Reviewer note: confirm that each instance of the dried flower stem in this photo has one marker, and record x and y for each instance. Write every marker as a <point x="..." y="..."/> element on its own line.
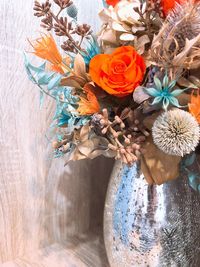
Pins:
<point x="126" y="142"/>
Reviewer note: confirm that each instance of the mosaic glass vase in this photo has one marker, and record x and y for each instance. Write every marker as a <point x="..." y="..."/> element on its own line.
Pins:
<point x="150" y="225"/>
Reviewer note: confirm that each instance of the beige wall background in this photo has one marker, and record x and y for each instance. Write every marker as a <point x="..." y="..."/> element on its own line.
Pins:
<point x="50" y="215"/>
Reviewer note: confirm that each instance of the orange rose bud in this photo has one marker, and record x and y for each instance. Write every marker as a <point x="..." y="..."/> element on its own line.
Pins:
<point x="118" y="73"/>
<point x="112" y="2"/>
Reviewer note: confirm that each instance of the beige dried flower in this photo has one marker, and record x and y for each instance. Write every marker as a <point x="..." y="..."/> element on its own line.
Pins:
<point x="176" y="132"/>
<point x="177" y="46"/>
<point x="121" y="25"/>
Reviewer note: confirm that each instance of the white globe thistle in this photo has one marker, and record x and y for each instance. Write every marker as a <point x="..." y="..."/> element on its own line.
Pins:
<point x="176" y="132"/>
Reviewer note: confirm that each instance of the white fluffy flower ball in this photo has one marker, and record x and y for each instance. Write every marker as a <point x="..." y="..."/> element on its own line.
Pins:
<point x="176" y="132"/>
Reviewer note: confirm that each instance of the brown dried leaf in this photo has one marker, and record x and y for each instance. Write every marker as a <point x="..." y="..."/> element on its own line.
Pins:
<point x="157" y="166"/>
<point x="84" y="133"/>
<point x="73" y="81"/>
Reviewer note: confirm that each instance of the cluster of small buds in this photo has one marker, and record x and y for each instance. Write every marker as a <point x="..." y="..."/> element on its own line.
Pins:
<point x="63" y="3"/>
<point x="41" y="9"/>
<point x="69" y="46"/>
<point x="62" y="26"/>
<point x="83" y="30"/>
<point x="126" y="145"/>
<point x="47" y="23"/>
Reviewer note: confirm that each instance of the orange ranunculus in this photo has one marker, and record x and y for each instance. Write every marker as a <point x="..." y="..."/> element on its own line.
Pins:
<point x="112" y="2"/>
<point x="88" y="105"/>
<point x="45" y="47"/>
<point x="194" y="106"/>
<point x="118" y="73"/>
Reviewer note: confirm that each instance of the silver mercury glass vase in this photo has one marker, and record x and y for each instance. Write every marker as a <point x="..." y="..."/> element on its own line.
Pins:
<point x="150" y="225"/>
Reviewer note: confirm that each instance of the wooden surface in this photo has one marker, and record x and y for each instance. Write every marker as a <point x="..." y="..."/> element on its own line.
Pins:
<point x="42" y="203"/>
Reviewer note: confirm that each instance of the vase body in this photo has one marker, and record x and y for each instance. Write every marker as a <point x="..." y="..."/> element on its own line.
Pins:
<point x="150" y="225"/>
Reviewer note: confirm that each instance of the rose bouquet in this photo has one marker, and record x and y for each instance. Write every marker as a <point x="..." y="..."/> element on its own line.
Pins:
<point x="130" y="92"/>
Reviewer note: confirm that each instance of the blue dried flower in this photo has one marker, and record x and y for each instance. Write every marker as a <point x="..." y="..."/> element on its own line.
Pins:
<point x="163" y="94"/>
<point x="92" y="50"/>
<point x="72" y="11"/>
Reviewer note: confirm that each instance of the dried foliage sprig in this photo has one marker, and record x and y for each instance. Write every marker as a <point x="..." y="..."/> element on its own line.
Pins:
<point x="110" y="90"/>
<point x="62" y="26"/>
<point x="125" y="141"/>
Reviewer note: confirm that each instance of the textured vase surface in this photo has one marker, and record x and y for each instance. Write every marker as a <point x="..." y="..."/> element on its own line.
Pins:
<point x="149" y="225"/>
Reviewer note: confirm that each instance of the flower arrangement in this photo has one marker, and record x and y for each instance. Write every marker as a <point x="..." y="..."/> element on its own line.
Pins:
<point x="130" y="92"/>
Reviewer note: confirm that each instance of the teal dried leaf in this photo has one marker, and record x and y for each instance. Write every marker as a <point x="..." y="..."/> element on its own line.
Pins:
<point x="92" y="49"/>
<point x="194" y="180"/>
<point x="190" y="160"/>
<point x="41" y="98"/>
<point x="54" y="82"/>
<point x="44" y="78"/>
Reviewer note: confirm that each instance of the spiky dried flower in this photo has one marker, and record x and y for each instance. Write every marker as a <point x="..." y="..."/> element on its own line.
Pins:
<point x="176" y="132"/>
<point x="177" y="46"/>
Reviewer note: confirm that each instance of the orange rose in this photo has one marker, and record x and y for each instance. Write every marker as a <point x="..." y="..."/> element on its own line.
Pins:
<point x="112" y="2"/>
<point x="118" y="73"/>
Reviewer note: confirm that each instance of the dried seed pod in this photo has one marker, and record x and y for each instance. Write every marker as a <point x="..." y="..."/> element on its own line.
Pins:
<point x="41" y="9"/>
<point x="83" y="30"/>
<point x="72" y="11"/>
<point x="63" y="3"/>
<point x="69" y="46"/>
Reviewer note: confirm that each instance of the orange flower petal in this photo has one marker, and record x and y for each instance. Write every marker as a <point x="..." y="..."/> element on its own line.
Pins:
<point x="118" y="73"/>
<point x="90" y="104"/>
<point x="194" y="106"/>
<point x="112" y="2"/>
<point x="46" y="48"/>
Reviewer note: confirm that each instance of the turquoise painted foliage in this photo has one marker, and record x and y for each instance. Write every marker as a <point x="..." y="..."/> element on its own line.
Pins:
<point x="193" y="176"/>
<point x="66" y="103"/>
<point x="164" y="94"/>
<point x="104" y="3"/>
<point x="92" y="49"/>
